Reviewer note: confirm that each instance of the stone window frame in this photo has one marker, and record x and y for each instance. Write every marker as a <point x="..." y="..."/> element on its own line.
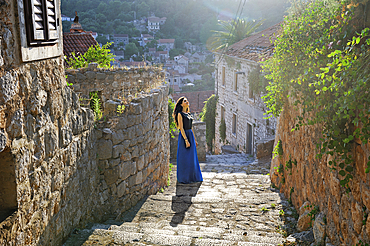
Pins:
<point x="44" y="49"/>
<point x="223" y="76"/>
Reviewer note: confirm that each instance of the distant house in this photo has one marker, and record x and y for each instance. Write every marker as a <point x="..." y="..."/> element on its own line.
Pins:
<point x="167" y="44"/>
<point x="120" y="38"/>
<point x="66" y="18"/>
<point x="77" y="40"/>
<point x="154" y="23"/>
<point x="180" y="69"/>
<point x="196" y="99"/>
<point x="134" y="64"/>
<point x="145" y="38"/>
<point x="160" y="56"/>
<point x="182" y="61"/>
<point x="119" y="54"/>
<point x="198" y="57"/>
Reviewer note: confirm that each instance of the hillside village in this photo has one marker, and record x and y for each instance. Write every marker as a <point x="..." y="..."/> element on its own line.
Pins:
<point x="89" y="150"/>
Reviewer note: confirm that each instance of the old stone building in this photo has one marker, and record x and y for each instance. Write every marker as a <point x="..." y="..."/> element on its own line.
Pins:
<point x="60" y="169"/>
<point x="242" y="110"/>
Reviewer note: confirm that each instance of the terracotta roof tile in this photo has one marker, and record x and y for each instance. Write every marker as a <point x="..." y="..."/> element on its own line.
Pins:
<point x="77" y="42"/>
<point x="162" y="41"/>
<point x="196" y="99"/>
<point x="256" y="47"/>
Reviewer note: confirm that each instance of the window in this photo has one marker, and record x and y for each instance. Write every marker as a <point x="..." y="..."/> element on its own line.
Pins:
<point x="250" y="92"/>
<point x="223" y="76"/>
<point x="249" y="139"/>
<point x="234" y="124"/>
<point x="222" y="113"/>
<point x="41" y="21"/>
<point x="40" y="29"/>
<point x="235" y="81"/>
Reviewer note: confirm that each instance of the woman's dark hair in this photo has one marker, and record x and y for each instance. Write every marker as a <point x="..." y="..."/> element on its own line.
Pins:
<point x="178" y="109"/>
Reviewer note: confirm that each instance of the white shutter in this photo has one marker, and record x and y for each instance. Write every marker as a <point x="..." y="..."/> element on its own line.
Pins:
<point x="52" y="19"/>
<point x="38" y="20"/>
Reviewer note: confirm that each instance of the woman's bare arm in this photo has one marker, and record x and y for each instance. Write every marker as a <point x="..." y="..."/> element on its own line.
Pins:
<point x="179" y="120"/>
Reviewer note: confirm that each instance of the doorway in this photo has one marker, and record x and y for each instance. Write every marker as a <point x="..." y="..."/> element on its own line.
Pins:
<point x="249" y="139"/>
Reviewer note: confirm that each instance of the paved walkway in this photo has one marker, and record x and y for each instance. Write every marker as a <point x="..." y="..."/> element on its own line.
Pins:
<point x="234" y="205"/>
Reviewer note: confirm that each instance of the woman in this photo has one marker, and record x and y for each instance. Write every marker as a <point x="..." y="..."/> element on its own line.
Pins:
<point x="188" y="169"/>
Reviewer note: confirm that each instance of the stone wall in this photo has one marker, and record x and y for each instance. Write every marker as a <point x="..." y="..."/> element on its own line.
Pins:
<point x="346" y="214"/>
<point x="199" y="129"/>
<point x="133" y="150"/>
<point x="114" y="84"/>
<point x="51" y="180"/>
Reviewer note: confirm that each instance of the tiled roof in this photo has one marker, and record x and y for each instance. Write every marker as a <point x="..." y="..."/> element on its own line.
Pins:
<point x="120" y="35"/>
<point x="77" y="42"/>
<point x="162" y="41"/>
<point x="133" y="64"/>
<point x="196" y="99"/>
<point x="256" y="47"/>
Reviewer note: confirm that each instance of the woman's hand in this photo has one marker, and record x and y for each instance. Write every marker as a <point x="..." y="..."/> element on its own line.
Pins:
<point x="196" y="143"/>
<point x="187" y="144"/>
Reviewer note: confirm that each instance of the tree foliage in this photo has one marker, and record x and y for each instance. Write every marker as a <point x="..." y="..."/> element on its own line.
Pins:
<point x="208" y="116"/>
<point x="232" y="32"/>
<point x="95" y="53"/>
<point x="321" y="62"/>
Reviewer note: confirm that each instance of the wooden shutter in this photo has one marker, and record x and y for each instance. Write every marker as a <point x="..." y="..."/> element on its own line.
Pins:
<point x="42" y="21"/>
<point x="38" y="19"/>
<point x="52" y="19"/>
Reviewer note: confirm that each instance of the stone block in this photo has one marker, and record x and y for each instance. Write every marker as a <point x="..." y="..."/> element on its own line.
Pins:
<point x="140" y="163"/>
<point x="121" y="189"/>
<point x="118" y="150"/>
<point x="117" y="137"/>
<point x="3" y="140"/>
<point x="127" y="169"/>
<point x="104" y="149"/>
<point x="139" y="178"/>
<point x="9" y="87"/>
<point x="80" y="77"/>
<point x="90" y="75"/>
<point x="100" y="76"/>
<point x="111" y="175"/>
<point x="126" y="156"/>
<point x="303" y="221"/>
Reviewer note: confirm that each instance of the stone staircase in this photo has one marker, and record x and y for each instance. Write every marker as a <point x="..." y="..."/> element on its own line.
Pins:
<point x="232" y="206"/>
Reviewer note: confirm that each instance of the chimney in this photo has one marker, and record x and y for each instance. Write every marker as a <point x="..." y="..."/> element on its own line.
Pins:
<point x="76" y="26"/>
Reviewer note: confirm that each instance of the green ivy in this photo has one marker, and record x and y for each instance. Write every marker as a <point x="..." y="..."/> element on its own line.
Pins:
<point x="257" y="82"/>
<point x="208" y="116"/>
<point x="321" y="63"/>
<point x="171" y="121"/>
<point x="95" y="105"/>
<point x="222" y="130"/>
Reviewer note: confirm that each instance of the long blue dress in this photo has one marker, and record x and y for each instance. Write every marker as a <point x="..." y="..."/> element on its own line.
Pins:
<point x="188" y="169"/>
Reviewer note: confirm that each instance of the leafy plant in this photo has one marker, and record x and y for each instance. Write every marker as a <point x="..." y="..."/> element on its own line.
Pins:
<point x="263" y="209"/>
<point x="222" y="130"/>
<point x="257" y="81"/>
<point x="273" y="205"/>
<point x="171" y="121"/>
<point x="281" y="213"/>
<point x="95" y="105"/>
<point x="278" y="149"/>
<point x="120" y="109"/>
<point x="169" y="174"/>
<point x="312" y="214"/>
<point x="208" y="116"/>
<point x="95" y="53"/>
<point x="321" y="64"/>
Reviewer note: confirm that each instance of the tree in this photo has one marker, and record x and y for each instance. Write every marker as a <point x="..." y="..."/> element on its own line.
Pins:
<point x="95" y="53"/>
<point x="231" y="33"/>
<point x="102" y="39"/>
<point x="174" y="52"/>
<point x="131" y="49"/>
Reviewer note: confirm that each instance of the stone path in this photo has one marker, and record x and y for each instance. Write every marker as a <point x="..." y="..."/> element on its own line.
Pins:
<point x="234" y="205"/>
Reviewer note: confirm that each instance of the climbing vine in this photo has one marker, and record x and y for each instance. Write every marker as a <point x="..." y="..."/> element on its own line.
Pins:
<point x="321" y="64"/>
<point x="208" y="116"/>
<point x="257" y="82"/>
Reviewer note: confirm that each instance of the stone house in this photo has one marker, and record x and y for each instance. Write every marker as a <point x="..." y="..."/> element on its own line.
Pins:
<point x="77" y="40"/>
<point x="198" y="57"/>
<point x="182" y="61"/>
<point x="167" y="44"/>
<point x="120" y="38"/>
<point x="154" y="23"/>
<point x="242" y="110"/>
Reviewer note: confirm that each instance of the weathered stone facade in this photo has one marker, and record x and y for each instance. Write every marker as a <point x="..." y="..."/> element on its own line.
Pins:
<point x="346" y="214"/>
<point x="199" y="129"/>
<point x="236" y="103"/>
<point x="52" y="180"/>
<point x="117" y="84"/>
<point x="133" y="151"/>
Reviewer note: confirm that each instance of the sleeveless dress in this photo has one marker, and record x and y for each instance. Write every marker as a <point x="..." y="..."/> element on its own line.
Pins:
<point x="188" y="169"/>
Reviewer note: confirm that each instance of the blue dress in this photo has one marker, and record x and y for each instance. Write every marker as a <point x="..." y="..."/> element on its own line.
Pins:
<point x="188" y="169"/>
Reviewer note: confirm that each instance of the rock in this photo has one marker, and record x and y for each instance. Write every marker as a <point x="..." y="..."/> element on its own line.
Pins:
<point x="2" y="141"/>
<point x="121" y="189"/>
<point x="228" y="149"/>
<point x="111" y="175"/>
<point x="305" y="236"/>
<point x="303" y="221"/>
<point x="104" y="149"/>
<point x="319" y="228"/>
<point x="304" y="207"/>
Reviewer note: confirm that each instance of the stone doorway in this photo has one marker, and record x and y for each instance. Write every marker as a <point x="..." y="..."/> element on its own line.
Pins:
<point x="8" y="191"/>
<point x="249" y="139"/>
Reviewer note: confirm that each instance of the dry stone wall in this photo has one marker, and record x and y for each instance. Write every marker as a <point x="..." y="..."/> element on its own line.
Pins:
<point x="342" y="217"/>
<point x="133" y="150"/>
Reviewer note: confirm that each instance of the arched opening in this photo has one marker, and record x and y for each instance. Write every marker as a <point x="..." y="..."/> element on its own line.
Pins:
<point x="8" y="191"/>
